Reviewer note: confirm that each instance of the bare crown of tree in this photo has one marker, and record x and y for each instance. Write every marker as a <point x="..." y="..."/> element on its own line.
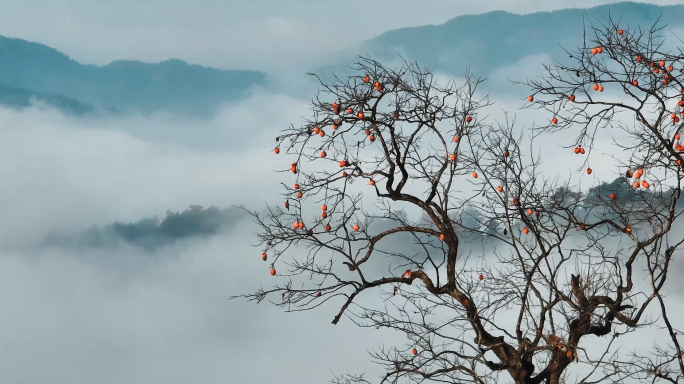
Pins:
<point x="549" y="284"/>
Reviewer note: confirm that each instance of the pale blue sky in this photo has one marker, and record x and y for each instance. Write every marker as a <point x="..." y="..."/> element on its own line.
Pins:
<point x="254" y="34"/>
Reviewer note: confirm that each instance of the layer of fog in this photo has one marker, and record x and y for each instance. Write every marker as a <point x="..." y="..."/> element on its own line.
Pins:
<point x="165" y="319"/>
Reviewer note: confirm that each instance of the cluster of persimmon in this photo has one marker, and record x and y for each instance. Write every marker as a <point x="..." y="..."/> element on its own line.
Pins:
<point x="594" y="51"/>
<point x="637" y="175"/>
<point x="658" y="67"/>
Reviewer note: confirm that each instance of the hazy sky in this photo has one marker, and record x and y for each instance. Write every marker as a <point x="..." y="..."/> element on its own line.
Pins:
<point x="244" y="34"/>
<point x="124" y="316"/>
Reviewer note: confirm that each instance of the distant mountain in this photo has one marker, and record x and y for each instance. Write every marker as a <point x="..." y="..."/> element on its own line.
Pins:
<point x="495" y="39"/>
<point x="484" y="42"/>
<point x="151" y="233"/>
<point x="124" y="85"/>
<point x="21" y="98"/>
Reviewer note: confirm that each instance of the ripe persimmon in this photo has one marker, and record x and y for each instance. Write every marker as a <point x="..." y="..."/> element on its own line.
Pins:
<point x="612" y="196"/>
<point x="343" y="163"/>
<point x="273" y="272"/>
<point x="324" y="215"/>
<point x="296" y="186"/>
<point x="620" y="32"/>
<point x="360" y="115"/>
<point x="453" y="157"/>
<point x="327" y="227"/>
<point x="277" y="150"/>
<point x="530" y="98"/>
<point x="506" y="153"/>
<point x="366" y="79"/>
<point x="635" y="83"/>
<point x="596" y="87"/>
<point x="599" y="49"/>
<point x="264" y="256"/>
<point x="500" y="189"/>
<point x="371" y="138"/>
<point x="323" y="154"/>
<point x="317" y="130"/>
<point x="572" y="97"/>
<point x="588" y="171"/>
<point x="356" y="227"/>
<point x="441" y="236"/>
<point x="475" y="175"/>
<point x="336" y="108"/>
<point x="324" y="207"/>
<point x="372" y="182"/>
<point x="287" y="205"/>
<point x="554" y="120"/>
<point x="481" y="277"/>
<point x="594" y="51"/>
<point x="600" y="89"/>
<point x="455" y="139"/>
<point x="577" y="150"/>
<point x="469" y="119"/>
<point x="526" y="230"/>
<point x="582" y="150"/>
<point x="415" y="351"/>
<point x="300" y="195"/>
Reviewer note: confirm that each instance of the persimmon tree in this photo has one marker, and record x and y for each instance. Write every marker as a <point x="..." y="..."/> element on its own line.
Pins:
<point x="547" y="285"/>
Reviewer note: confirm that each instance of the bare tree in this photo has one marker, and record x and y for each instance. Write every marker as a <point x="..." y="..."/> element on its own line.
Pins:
<point x="509" y="313"/>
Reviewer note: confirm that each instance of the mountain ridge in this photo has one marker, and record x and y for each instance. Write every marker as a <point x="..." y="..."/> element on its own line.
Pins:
<point x="130" y="85"/>
<point x="492" y="40"/>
